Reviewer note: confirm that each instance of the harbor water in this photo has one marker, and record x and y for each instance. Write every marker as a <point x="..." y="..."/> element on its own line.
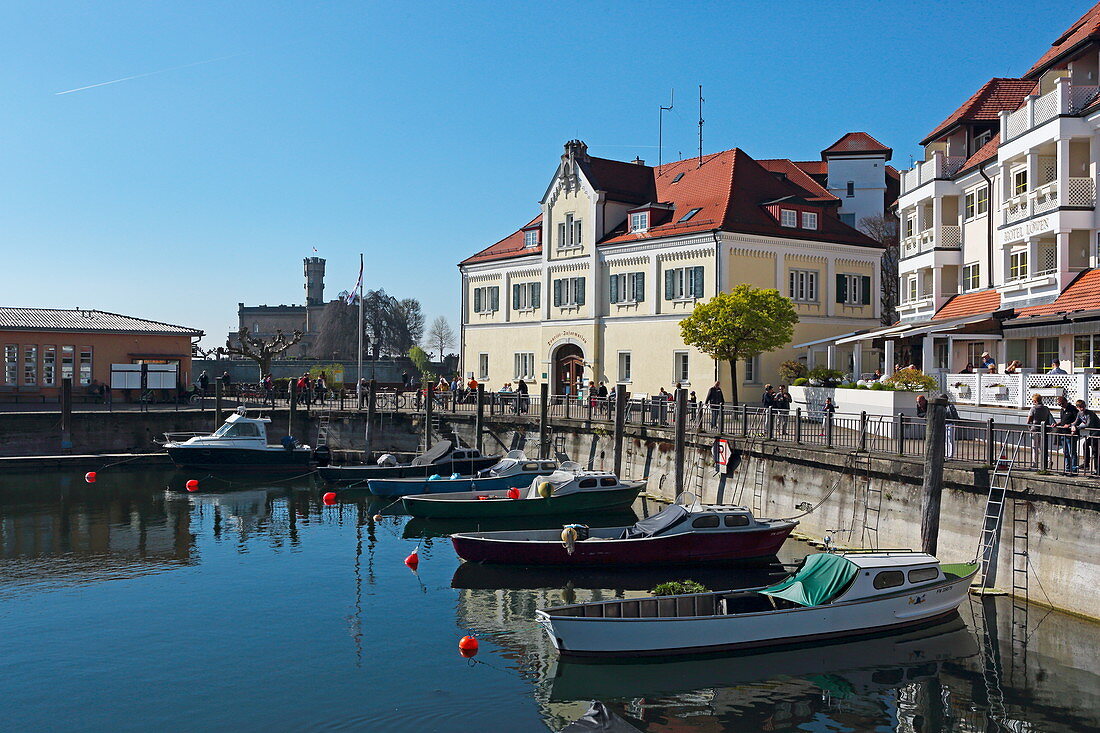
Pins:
<point x="131" y="604"/>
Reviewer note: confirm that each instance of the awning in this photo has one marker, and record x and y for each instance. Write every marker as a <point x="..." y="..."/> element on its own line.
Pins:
<point x="870" y="335"/>
<point x="1081" y="322"/>
<point x="921" y="329"/>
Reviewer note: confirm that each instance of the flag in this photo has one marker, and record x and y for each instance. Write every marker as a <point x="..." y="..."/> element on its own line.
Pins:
<point x="314" y="249"/>
<point x="353" y="295"/>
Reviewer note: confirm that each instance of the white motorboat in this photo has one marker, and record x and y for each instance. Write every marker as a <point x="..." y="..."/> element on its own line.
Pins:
<point x="831" y="595"/>
<point x="239" y="444"/>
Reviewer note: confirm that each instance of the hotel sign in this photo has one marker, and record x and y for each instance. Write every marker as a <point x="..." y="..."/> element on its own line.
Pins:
<point x="1028" y="229"/>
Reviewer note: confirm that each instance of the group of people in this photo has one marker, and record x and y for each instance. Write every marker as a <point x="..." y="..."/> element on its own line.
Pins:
<point x="989" y="364"/>
<point x="1074" y="427"/>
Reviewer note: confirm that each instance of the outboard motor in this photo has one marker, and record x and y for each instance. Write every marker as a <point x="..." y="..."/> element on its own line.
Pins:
<point x="322" y="455"/>
<point x="387" y="459"/>
<point x="289" y="442"/>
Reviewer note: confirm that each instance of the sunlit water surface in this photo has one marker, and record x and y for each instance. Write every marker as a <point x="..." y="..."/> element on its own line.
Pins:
<point x="124" y="606"/>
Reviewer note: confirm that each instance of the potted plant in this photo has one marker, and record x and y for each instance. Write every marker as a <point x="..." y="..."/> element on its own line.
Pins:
<point x="911" y="380"/>
<point x="825" y="377"/>
<point x="962" y="388"/>
<point x="996" y="390"/>
<point x="1049" y="390"/>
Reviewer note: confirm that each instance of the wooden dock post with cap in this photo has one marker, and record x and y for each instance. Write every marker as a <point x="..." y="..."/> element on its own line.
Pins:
<point x="66" y="414"/>
<point x="544" y="413"/>
<point x="372" y="408"/>
<point x="428" y="398"/>
<point x="218" y="391"/>
<point x="680" y="429"/>
<point x="620" y="419"/>
<point x="932" y="480"/>
<point x="479" y="418"/>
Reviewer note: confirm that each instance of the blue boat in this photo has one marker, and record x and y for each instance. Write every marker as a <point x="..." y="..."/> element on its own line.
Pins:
<point x="513" y="471"/>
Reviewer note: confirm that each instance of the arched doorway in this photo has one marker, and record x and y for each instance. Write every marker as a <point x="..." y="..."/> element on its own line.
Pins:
<point x="568" y="367"/>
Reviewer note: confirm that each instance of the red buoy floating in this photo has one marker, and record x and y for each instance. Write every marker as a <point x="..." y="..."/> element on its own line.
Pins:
<point x="90" y="477"/>
<point x="329" y="498"/>
<point x="513" y="493"/>
<point x="378" y="517"/>
<point x="192" y="484"/>
<point x="467" y="646"/>
<point x="413" y="560"/>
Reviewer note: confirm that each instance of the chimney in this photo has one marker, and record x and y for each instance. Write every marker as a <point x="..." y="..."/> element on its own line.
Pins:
<point x="637" y="161"/>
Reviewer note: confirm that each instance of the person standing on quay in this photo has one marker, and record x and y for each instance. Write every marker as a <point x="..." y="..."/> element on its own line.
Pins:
<point x="204" y="382"/>
<point x="1036" y="418"/>
<point x="1087" y="426"/>
<point x="715" y="400"/>
<point x="1064" y="428"/>
<point x="521" y="396"/>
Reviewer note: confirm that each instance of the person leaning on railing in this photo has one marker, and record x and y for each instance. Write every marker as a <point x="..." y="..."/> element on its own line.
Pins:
<point x="1087" y="425"/>
<point x="1037" y="418"/>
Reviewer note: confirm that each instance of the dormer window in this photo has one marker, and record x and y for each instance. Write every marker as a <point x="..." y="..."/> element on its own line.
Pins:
<point x="982" y="138"/>
<point x="809" y="220"/>
<point x="639" y="221"/>
<point x="688" y="215"/>
<point x="788" y="218"/>
<point x="531" y="238"/>
<point x="678" y="177"/>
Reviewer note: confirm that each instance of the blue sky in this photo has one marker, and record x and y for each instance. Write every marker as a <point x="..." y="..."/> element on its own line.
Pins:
<point x="416" y="133"/>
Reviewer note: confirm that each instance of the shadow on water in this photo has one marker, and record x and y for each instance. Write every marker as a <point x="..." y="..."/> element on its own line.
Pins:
<point x="476" y="576"/>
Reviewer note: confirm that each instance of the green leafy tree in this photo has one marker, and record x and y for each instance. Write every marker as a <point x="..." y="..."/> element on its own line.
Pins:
<point x="419" y="358"/>
<point x="739" y="325"/>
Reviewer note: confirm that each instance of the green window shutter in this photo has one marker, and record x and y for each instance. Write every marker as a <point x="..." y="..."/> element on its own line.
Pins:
<point x="580" y="290"/>
<point x="515" y="297"/>
<point x="494" y="298"/>
<point x="697" y="286"/>
<point x="536" y="295"/>
<point x="866" y="289"/>
<point x="841" y="289"/>
<point x="639" y="286"/>
<point x="477" y="300"/>
<point x="613" y="289"/>
<point x="557" y="293"/>
<point x="670" y="281"/>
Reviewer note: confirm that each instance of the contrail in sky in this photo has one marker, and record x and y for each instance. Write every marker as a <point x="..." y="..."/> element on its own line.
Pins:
<point x="148" y="73"/>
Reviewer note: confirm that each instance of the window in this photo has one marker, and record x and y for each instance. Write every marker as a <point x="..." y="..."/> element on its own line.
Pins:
<point x="850" y="189"/>
<point x="608" y="481"/>
<point x="639" y="221"/>
<point x="487" y="299"/>
<point x="752" y="370"/>
<point x="68" y="359"/>
<point x="531" y="238"/>
<point x="849" y="219"/>
<point x="569" y="292"/>
<point x="49" y="366"/>
<point x="526" y="296"/>
<point x="809" y="220"/>
<point x="737" y="520"/>
<point x="1046" y="351"/>
<point x="624" y="366"/>
<point x="976" y="203"/>
<point x="802" y="285"/>
<point x="923" y="575"/>
<point x="971" y="276"/>
<point x="680" y="367"/>
<point x="482" y="366"/>
<point x="587" y="483"/>
<point x="1017" y="265"/>
<point x="30" y="365"/>
<point x="910" y="226"/>
<point x="524" y="365"/>
<point x="684" y="283"/>
<point x="628" y="287"/>
<point x="889" y="579"/>
<point x="853" y="289"/>
<point x="569" y="232"/>
<point x="707" y="521"/>
<point x="788" y="217"/>
<point x="1019" y="182"/>
<point x="11" y="364"/>
<point x="981" y="139"/>
<point x="688" y="215"/>
<point x="912" y="289"/>
<point x="1086" y="351"/>
<point x="678" y="177"/>
<point x="85" y="365"/>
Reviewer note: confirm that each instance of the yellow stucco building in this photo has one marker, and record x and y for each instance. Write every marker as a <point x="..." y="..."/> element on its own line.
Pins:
<point x="593" y="288"/>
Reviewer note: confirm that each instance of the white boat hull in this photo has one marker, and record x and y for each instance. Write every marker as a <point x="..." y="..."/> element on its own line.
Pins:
<point x="593" y="636"/>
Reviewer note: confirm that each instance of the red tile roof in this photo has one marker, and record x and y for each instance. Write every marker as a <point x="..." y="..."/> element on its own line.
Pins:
<point x="1086" y="28"/>
<point x="983" y="154"/>
<point x="813" y="167"/>
<point x="1081" y="294"/>
<point x="510" y="246"/>
<point x="856" y="142"/>
<point x="969" y="304"/>
<point x="798" y="175"/>
<point x="986" y="104"/>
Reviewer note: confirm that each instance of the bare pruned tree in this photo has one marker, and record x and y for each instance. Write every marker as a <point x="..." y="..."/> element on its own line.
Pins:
<point x="440" y="337"/>
<point x="883" y="228"/>
<point x="260" y="350"/>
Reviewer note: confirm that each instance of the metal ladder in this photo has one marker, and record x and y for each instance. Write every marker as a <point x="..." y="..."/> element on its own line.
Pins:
<point x="758" y="485"/>
<point x="628" y="459"/>
<point x="1020" y="562"/>
<point x="322" y="429"/>
<point x="742" y="481"/>
<point x="994" y="506"/>
<point x="872" y="501"/>
<point x="436" y="429"/>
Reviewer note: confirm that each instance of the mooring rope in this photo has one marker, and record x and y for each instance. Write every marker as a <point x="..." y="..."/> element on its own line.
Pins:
<point x="828" y="494"/>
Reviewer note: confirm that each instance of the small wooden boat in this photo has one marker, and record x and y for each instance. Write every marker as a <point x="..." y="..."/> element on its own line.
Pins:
<point x="514" y="470"/>
<point x="443" y="458"/>
<point x="694" y="533"/>
<point x="832" y="595"/>
<point x="240" y="444"/>
<point x="561" y="492"/>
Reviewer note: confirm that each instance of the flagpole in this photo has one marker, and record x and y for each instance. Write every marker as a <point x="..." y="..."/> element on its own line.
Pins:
<point x="359" y="377"/>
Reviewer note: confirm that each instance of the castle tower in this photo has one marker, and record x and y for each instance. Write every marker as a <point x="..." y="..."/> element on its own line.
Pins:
<point x="315" y="280"/>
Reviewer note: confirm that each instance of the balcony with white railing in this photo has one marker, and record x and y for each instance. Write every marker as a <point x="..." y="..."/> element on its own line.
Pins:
<point x="1079" y="193"/>
<point x="945" y="237"/>
<point x="1064" y="99"/>
<point x="939" y="166"/>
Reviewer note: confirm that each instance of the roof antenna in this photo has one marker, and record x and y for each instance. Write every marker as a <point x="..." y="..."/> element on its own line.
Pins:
<point x="661" y="129"/>
<point x="701" y="100"/>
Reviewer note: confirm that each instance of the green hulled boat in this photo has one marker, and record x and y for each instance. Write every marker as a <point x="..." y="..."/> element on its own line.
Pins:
<point x="558" y="493"/>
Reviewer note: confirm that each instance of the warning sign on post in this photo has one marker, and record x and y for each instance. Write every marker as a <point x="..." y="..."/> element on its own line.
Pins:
<point x="722" y="452"/>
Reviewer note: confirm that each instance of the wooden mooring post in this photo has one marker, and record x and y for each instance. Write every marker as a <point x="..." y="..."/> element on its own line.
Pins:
<point x="620" y="419"/>
<point x="219" y="387"/>
<point x="679" y="441"/>
<point x="544" y="427"/>
<point x="429" y="398"/>
<point x="479" y="419"/>
<point x="66" y="414"/>
<point x="932" y="480"/>
<point x="372" y="408"/>
<point x="290" y="413"/>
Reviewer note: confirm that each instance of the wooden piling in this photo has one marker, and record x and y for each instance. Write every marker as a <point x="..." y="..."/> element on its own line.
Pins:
<point x="680" y="431"/>
<point x="932" y="480"/>
<point x="620" y="419"/>
<point x="372" y="408"/>
<point x="218" y="390"/>
<point x="66" y="414"/>
<point x="544" y="427"/>
<point x="428" y="399"/>
<point x="293" y="409"/>
<point x="479" y="418"/>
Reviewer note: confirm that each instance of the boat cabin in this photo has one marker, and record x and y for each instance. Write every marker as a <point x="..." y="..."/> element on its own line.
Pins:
<point x="570" y="482"/>
<point x="516" y="463"/>
<point x="238" y="430"/>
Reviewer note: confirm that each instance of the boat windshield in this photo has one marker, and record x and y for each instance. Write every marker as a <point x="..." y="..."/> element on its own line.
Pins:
<point x="663" y="521"/>
<point x="820" y="579"/>
<point x="238" y="430"/>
